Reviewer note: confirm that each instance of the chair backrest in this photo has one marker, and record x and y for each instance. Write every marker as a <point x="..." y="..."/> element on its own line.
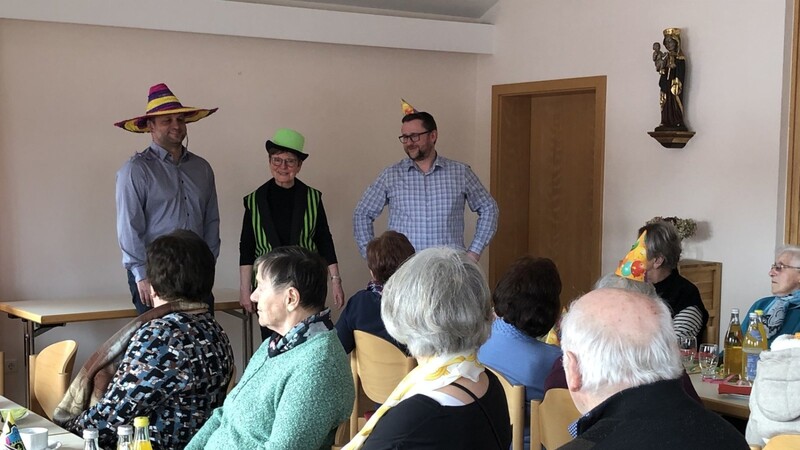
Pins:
<point x="553" y="415"/>
<point x="783" y="442"/>
<point x="378" y="367"/>
<point x="515" y="395"/>
<point x="51" y="370"/>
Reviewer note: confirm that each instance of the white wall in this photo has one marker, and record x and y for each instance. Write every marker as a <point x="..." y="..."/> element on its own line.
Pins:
<point x="727" y="176"/>
<point x="63" y="86"/>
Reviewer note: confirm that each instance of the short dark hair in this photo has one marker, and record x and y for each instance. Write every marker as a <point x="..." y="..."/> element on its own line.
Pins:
<point x="527" y="296"/>
<point x="427" y="120"/>
<point x="180" y="266"/>
<point x="386" y="253"/>
<point x="662" y="240"/>
<point x="299" y="268"/>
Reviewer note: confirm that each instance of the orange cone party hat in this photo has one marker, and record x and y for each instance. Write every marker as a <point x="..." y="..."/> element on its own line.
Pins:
<point x="407" y="109"/>
<point x="633" y="265"/>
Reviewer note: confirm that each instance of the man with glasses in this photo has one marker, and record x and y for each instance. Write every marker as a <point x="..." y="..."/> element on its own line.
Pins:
<point x="163" y="188"/>
<point x="426" y="193"/>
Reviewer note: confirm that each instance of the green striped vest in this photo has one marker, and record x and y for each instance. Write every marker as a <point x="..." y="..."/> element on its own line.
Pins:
<point x="306" y="232"/>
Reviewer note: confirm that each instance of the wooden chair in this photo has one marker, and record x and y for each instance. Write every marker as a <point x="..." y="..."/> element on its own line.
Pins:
<point x="515" y="395"/>
<point x="2" y="373"/>
<point x="378" y="366"/>
<point x="51" y="370"/>
<point x="342" y="436"/>
<point x="550" y="418"/>
<point x="783" y="442"/>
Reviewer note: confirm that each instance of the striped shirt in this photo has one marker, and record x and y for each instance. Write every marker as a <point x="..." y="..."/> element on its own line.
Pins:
<point x="427" y="207"/>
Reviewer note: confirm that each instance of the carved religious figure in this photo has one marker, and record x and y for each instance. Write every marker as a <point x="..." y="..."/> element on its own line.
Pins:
<point x="671" y="65"/>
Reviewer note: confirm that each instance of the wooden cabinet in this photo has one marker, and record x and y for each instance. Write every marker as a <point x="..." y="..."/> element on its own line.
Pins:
<point x="707" y="276"/>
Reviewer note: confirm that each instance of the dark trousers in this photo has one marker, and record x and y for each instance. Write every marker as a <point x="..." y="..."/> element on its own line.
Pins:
<point x="142" y="308"/>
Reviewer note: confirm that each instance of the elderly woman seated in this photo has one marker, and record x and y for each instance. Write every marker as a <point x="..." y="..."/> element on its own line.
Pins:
<point x="298" y="387"/>
<point x="526" y="303"/>
<point x="437" y="304"/>
<point x="689" y="315"/>
<point x="176" y="360"/>
<point x="385" y="253"/>
<point x="782" y="308"/>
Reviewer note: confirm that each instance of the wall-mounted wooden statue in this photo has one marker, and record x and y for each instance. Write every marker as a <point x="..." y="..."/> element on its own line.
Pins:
<point x="671" y="67"/>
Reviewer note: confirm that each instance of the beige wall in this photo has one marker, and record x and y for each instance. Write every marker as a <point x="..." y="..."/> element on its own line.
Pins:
<point x="727" y="176"/>
<point x="62" y="87"/>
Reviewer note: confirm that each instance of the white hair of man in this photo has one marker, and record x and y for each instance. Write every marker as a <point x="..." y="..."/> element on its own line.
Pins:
<point x="792" y="250"/>
<point x="438" y="303"/>
<point x="612" y="280"/>
<point x="621" y="339"/>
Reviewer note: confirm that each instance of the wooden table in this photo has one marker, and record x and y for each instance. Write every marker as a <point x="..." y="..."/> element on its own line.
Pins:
<point x="730" y="405"/>
<point x="68" y="440"/>
<point x="40" y="316"/>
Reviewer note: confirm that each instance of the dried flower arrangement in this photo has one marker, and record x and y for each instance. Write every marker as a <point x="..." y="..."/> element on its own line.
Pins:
<point x="686" y="227"/>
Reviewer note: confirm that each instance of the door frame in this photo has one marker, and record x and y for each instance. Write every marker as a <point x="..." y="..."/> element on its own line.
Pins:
<point x="594" y="84"/>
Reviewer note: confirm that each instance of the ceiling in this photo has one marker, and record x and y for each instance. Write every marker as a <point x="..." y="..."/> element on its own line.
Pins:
<point x="456" y="10"/>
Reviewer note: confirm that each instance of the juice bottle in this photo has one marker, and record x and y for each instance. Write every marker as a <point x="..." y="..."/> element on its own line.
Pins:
<point x="141" y="433"/>
<point x="733" y="346"/>
<point x="762" y="329"/>
<point x="751" y="349"/>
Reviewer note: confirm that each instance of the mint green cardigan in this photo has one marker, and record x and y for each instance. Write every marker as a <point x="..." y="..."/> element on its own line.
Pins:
<point x="292" y="401"/>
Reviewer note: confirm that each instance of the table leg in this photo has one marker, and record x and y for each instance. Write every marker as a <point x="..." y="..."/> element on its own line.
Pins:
<point x="248" y="339"/>
<point x="247" y="335"/>
<point x="28" y="350"/>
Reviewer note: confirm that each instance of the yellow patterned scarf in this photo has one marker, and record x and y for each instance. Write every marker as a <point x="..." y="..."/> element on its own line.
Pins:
<point x="436" y="373"/>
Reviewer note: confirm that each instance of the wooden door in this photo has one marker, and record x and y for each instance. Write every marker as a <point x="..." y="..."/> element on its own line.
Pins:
<point x="547" y="177"/>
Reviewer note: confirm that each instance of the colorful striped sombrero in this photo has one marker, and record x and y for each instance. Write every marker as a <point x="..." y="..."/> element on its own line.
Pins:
<point x="162" y="101"/>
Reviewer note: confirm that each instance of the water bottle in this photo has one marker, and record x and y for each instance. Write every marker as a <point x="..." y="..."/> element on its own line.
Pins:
<point x="751" y="349"/>
<point x="90" y="439"/>
<point x="141" y="433"/>
<point x="124" y="437"/>
<point x="733" y="346"/>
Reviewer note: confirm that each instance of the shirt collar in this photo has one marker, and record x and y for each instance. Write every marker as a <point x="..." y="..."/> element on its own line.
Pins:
<point x="164" y="155"/>
<point x="440" y="161"/>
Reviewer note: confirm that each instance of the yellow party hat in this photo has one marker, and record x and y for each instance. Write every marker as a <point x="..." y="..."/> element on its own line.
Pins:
<point x="633" y="266"/>
<point x="407" y="108"/>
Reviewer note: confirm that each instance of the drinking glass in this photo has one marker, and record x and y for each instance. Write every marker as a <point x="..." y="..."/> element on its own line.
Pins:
<point x="708" y="357"/>
<point x="688" y="347"/>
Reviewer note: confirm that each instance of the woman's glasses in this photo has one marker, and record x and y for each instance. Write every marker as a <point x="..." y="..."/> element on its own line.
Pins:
<point x="781" y="266"/>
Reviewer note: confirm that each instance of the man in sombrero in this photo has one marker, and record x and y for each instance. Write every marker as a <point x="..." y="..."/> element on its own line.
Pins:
<point x="163" y="188"/>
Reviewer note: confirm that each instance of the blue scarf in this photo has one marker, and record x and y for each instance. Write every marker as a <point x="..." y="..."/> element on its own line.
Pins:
<point x="776" y="313"/>
<point x="315" y="324"/>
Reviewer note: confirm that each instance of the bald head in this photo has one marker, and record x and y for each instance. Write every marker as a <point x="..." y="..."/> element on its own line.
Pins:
<point x="615" y="339"/>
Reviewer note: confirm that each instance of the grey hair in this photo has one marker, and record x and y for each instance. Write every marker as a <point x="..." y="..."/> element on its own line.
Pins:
<point x="663" y="240"/>
<point x="438" y="303"/>
<point x="793" y="250"/>
<point x="611" y="358"/>
<point x="612" y="280"/>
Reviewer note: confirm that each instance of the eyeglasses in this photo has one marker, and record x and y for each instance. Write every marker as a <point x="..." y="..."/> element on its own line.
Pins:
<point x="779" y="267"/>
<point x="277" y="162"/>
<point x="411" y="137"/>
